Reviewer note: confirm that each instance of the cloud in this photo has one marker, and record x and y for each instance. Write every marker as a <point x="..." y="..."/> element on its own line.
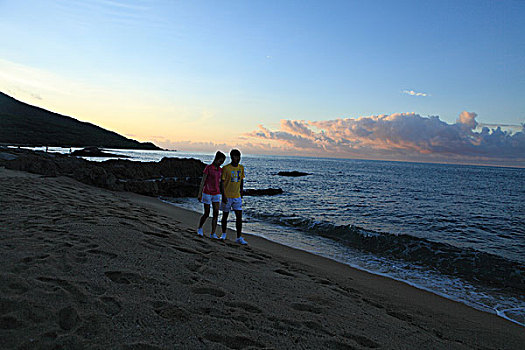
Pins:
<point x="414" y="93"/>
<point x="467" y="120"/>
<point x="402" y="136"/>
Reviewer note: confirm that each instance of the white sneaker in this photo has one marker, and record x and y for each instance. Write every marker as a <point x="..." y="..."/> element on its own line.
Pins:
<point x="199" y="232"/>
<point x="223" y="237"/>
<point x="214" y="236"/>
<point x="241" y="240"/>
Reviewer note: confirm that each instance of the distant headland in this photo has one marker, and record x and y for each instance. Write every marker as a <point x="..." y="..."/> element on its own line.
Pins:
<point x="22" y="124"/>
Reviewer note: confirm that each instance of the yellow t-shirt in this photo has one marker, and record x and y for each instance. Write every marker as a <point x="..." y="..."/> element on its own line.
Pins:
<point x="231" y="178"/>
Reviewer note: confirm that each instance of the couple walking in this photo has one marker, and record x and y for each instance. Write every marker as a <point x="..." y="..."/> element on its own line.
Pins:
<point x="222" y="188"/>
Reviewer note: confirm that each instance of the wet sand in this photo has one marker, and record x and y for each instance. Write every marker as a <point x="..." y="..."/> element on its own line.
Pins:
<point x="83" y="267"/>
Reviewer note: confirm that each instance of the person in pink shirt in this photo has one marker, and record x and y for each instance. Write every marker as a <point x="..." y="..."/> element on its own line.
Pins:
<point x="210" y="192"/>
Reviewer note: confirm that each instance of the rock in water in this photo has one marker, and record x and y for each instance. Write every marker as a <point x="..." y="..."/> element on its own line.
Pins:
<point x="95" y="152"/>
<point x="292" y="173"/>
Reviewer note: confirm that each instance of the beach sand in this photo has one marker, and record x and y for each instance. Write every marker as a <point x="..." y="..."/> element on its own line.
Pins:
<point x="83" y="267"/>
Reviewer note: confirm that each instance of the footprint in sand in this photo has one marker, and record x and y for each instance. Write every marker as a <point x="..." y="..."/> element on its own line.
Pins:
<point x="69" y="287"/>
<point x="259" y="256"/>
<point x="256" y="259"/>
<point x="185" y="250"/>
<point x="102" y="253"/>
<point x="171" y="311"/>
<point x="346" y="291"/>
<point x="204" y="251"/>
<point x="236" y="259"/>
<point x="319" y="299"/>
<point x="123" y="277"/>
<point x="216" y="292"/>
<point x="126" y="223"/>
<point x="363" y="341"/>
<point x="190" y="280"/>
<point x="18" y="287"/>
<point x="37" y="259"/>
<point x="93" y="288"/>
<point x="373" y="303"/>
<point x="244" y="306"/>
<point x="233" y="342"/>
<point x="150" y="243"/>
<point x="306" y="307"/>
<point x="400" y="316"/>
<point x="111" y="305"/>
<point x="284" y="324"/>
<point x="284" y="273"/>
<point x="156" y="234"/>
<point x="68" y="318"/>
<point x="194" y="266"/>
<point x="316" y="326"/>
<point x="258" y="262"/>
<point x="323" y="281"/>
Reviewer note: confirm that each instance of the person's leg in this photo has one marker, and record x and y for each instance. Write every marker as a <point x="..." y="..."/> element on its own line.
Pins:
<point x="215" y="216"/>
<point x="224" y="221"/>
<point x="205" y="215"/>
<point x="238" y="222"/>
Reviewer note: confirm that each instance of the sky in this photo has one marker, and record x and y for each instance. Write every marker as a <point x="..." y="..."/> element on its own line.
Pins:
<point x="429" y="81"/>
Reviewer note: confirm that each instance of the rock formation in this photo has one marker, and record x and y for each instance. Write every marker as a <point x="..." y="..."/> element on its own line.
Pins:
<point x="292" y="173"/>
<point x="170" y="177"/>
<point x="95" y="152"/>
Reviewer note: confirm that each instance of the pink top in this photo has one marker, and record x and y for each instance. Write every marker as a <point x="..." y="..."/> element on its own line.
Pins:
<point x="211" y="186"/>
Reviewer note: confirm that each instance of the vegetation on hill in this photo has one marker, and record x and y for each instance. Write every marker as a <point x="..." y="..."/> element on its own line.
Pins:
<point x="26" y="125"/>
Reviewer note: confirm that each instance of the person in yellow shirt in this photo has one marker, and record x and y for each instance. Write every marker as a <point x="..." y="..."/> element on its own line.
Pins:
<point x="232" y="184"/>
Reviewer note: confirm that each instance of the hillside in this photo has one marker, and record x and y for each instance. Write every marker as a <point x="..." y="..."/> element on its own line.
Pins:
<point x="23" y="124"/>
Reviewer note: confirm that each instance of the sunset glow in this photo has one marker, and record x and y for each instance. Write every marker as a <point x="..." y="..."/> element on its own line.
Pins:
<point x="424" y="82"/>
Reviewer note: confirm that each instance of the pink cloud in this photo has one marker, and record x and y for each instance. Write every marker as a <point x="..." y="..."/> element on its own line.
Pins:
<point x="407" y="136"/>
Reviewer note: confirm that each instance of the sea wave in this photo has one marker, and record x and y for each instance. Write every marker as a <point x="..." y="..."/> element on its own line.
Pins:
<point x="467" y="263"/>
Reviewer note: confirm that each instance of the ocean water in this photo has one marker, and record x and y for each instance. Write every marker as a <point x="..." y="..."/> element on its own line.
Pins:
<point x="455" y="230"/>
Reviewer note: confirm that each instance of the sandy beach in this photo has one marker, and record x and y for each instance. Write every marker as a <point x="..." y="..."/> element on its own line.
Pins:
<point x="87" y="268"/>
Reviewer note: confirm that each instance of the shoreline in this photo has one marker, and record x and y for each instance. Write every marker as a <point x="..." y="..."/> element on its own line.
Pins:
<point x="472" y="303"/>
<point x="291" y="252"/>
<point x="268" y="244"/>
<point x="88" y="267"/>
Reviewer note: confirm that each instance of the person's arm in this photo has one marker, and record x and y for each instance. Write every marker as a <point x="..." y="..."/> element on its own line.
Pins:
<point x="203" y="181"/>
<point x="242" y="187"/>
<point x="223" y="196"/>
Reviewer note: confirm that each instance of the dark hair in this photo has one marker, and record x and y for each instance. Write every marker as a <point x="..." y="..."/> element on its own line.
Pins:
<point x="235" y="152"/>
<point x="219" y="155"/>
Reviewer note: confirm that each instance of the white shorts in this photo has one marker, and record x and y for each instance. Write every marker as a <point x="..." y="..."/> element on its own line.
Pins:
<point x="209" y="198"/>
<point x="232" y="204"/>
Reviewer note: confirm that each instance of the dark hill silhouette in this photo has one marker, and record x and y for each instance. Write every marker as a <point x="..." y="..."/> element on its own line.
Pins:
<point x="23" y="124"/>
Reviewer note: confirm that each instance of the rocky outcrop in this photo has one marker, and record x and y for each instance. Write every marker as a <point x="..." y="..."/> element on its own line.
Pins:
<point x="292" y="173"/>
<point x="95" y="152"/>
<point x="180" y="168"/>
<point x="170" y="177"/>
<point x="7" y="156"/>
<point x="32" y="163"/>
<point x="96" y="176"/>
